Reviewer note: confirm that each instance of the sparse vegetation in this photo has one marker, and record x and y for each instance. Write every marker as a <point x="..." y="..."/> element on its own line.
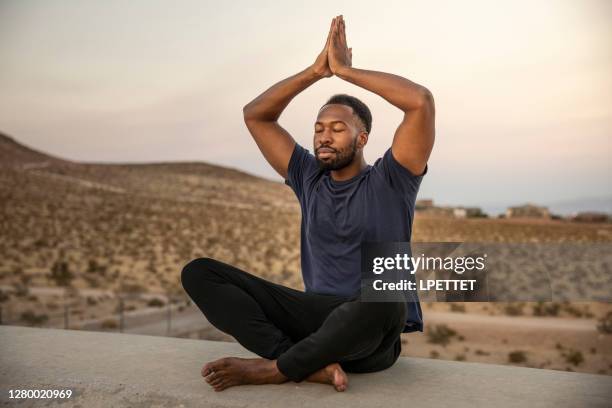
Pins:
<point x="440" y="334"/>
<point x="21" y="291"/>
<point x="514" y="309"/>
<point x="457" y="307"/>
<point x="155" y="302"/>
<point x="604" y="325"/>
<point x="61" y="274"/>
<point x="572" y="310"/>
<point x="517" y="357"/>
<point x="572" y="356"/>
<point x="546" y="309"/>
<point x="134" y="288"/>
<point x="32" y="319"/>
<point x="110" y="324"/>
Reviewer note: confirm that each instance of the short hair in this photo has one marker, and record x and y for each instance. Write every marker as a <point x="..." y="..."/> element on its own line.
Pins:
<point x="359" y="108"/>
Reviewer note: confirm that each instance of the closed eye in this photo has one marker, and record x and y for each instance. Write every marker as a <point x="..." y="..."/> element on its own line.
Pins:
<point x="335" y="130"/>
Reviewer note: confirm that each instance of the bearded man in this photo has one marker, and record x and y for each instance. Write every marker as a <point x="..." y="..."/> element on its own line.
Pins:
<point x="326" y="331"/>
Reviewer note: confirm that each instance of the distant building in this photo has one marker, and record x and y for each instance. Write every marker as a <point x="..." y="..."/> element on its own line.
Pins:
<point x="424" y="204"/>
<point x="440" y="211"/>
<point x="469" y="212"/>
<point x="427" y="207"/>
<point x="459" y="212"/>
<point x="591" y="216"/>
<point x="528" y="211"/>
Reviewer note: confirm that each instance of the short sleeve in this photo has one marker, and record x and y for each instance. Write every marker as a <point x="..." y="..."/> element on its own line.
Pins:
<point x="399" y="177"/>
<point x="302" y="167"/>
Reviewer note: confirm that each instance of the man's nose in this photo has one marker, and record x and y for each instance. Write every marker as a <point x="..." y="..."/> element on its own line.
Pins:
<point x="324" y="138"/>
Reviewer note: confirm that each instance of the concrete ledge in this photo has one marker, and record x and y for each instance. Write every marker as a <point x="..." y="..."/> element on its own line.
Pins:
<point x="107" y="369"/>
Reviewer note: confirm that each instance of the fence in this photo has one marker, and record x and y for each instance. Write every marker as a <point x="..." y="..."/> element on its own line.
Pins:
<point x="146" y="313"/>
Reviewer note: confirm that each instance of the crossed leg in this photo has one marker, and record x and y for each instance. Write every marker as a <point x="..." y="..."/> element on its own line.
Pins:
<point x="299" y="335"/>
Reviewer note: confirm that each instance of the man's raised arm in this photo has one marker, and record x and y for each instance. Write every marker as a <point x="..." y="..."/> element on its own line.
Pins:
<point x="262" y="113"/>
<point x="414" y="138"/>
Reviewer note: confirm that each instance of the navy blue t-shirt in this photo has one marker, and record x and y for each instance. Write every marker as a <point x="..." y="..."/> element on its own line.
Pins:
<point x="377" y="205"/>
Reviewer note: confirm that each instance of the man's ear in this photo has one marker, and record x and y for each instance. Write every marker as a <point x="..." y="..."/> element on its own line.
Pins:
<point x="362" y="139"/>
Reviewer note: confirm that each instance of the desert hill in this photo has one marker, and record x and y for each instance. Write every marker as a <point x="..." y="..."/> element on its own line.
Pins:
<point x="140" y="221"/>
<point x="13" y="153"/>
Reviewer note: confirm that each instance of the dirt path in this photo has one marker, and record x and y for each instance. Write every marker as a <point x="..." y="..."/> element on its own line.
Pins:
<point x="533" y="323"/>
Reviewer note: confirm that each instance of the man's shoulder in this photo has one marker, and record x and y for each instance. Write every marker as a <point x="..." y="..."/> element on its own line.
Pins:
<point x="394" y="174"/>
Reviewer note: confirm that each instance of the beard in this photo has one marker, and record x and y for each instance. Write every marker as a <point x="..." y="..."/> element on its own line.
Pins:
<point x="342" y="158"/>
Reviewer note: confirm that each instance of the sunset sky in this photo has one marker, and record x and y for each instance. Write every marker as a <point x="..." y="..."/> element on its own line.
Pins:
<point x="523" y="89"/>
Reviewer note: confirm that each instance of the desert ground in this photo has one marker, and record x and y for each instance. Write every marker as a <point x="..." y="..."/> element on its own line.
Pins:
<point x="82" y="241"/>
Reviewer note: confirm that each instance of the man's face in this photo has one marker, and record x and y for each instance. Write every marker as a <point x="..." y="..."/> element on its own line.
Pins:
<point x="335" y="136"/>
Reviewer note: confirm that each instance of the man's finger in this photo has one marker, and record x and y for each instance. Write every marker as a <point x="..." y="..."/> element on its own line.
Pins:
<point x="336" y="34"/>
<point x="331" y="32"/>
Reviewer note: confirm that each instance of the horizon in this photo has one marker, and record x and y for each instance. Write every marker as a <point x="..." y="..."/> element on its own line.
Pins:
<point x="522" y="115"/>
<point x="492" y="209"/>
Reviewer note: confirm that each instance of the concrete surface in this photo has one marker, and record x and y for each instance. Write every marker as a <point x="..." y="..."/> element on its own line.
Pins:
<point x="127" y="370"/>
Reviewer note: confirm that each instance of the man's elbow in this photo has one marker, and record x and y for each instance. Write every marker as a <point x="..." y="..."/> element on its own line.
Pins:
<point x="426" y="99"/>
<point x="247" y="112"/>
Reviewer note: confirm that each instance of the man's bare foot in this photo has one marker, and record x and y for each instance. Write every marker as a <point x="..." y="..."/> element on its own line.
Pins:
<point x="229" y="371"/>
<point x="332" y="374"/>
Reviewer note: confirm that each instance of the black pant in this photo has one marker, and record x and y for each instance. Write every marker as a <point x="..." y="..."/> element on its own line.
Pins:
<point x="303" y="331"/>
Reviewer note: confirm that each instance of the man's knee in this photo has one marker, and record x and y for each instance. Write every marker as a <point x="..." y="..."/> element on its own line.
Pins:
<point x="375" y="362"/>
<point x="195" y="270"/>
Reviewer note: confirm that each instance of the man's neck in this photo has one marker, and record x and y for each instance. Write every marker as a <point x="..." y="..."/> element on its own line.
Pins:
<point x="350" y="171"/>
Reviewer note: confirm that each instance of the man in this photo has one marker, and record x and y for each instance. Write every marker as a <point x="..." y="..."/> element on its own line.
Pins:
<point x="322" y="333"/>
